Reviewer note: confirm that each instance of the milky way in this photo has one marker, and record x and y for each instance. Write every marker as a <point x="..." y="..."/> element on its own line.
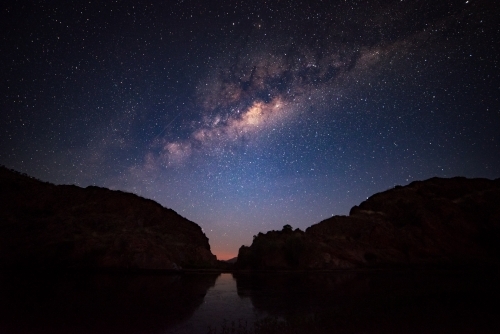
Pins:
<point x="246" y="116"/>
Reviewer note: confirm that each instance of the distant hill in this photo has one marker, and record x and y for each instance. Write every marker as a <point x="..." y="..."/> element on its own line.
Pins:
<point x="439" y="221"/>
<point x="43" y="225"/>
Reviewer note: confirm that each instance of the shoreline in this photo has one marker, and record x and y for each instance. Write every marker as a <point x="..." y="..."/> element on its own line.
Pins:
<point x="128" y="271"/>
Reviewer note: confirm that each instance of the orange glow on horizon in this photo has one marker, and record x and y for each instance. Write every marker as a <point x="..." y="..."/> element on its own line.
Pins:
<point x="221" y="255"/>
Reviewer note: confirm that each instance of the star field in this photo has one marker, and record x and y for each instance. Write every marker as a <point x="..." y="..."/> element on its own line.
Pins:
<point x="244" y="116"/>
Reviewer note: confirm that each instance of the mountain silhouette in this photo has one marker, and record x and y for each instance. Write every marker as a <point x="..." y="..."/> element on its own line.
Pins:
<point x="438" y="221"/>
<point x="43" y="225"/>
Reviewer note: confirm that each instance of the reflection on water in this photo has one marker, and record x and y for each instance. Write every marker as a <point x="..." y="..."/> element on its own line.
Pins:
<point x="376" y="301"/>
<point x="98" y="303"/>
<point x="413" y="301"/>
<point x="222" y="304"/>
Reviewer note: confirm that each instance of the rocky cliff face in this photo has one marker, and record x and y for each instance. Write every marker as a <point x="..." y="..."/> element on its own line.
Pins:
<point x="438" y="221"/>
<point x="44" y="225"/>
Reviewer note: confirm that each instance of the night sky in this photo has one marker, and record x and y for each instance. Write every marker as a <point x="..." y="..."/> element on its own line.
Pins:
<point x="244" y="116"/>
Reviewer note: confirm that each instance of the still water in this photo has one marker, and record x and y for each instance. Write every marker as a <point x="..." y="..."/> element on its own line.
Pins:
<point x="414" y="301"/>
<point x="221" y="303"/>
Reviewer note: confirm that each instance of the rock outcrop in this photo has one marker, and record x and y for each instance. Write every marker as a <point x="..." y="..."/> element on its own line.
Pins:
<point x="43" y="225"/>
<point x="434" y="222"/>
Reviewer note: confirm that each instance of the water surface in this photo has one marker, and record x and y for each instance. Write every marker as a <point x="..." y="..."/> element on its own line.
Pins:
<point x="405" y="301"/>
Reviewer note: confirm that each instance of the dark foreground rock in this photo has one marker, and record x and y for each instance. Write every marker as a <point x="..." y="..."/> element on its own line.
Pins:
<point x="47" y="226"/>
<point x="434" y="222"/>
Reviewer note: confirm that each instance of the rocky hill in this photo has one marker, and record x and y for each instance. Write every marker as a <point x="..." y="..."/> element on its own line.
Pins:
<point x="43" y="225"/>
<point x="434" y="222"/>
